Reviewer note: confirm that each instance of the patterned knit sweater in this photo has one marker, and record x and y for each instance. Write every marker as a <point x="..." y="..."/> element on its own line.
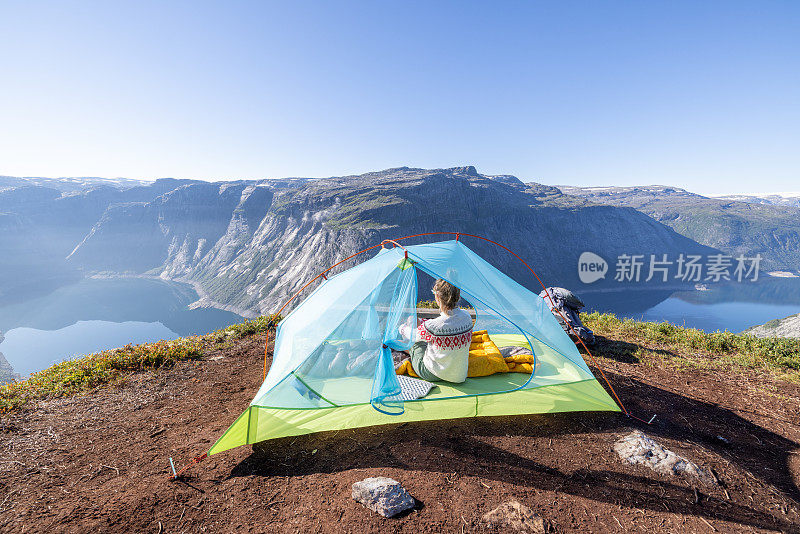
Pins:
<point x="448" y="338"/>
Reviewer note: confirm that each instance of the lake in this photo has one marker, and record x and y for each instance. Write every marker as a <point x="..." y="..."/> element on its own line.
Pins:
<point x="733" y="307"/>
<point x="96" y="314"/>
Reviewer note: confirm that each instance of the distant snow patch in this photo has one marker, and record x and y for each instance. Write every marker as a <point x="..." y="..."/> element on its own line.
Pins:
<point x="783" y="274"/>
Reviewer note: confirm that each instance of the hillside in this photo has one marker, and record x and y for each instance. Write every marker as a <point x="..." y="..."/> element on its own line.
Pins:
<point x="70" y="184"/>
<point x="247" y="245"/>
<point x="733" y="226"/>
<point x="98" y="461"/>
<point x="786" y="327"/>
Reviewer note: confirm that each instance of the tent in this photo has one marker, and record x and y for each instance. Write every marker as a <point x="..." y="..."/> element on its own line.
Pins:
<point x="332" y="367"/>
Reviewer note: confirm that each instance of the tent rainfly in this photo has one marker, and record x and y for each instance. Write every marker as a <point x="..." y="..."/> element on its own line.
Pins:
<point x="332" y="367"/>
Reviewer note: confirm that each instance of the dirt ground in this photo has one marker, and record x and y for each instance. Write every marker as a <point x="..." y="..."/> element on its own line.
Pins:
<point x="100" y="462"/>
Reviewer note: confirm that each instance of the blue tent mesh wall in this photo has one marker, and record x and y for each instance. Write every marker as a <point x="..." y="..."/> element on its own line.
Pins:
<point x="332" y="365"/>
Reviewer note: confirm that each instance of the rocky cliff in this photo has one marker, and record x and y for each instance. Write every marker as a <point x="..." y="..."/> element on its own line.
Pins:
<point x="735" y="227"/>
<point x="249" y="246"/>
<point x="781" y="199"/>
<point x="40" y="225"/>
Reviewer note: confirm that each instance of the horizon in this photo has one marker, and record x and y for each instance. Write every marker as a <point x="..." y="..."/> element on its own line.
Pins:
<point x="215" y="180"/>
<point x="701" y="97"/>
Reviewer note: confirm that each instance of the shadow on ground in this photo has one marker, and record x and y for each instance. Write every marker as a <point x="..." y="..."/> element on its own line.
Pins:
<point x="622" y="351"/>
<point x="462" y="446"/>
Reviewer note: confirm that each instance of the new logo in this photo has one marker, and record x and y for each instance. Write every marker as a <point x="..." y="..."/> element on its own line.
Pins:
<point x="591" y="267"/>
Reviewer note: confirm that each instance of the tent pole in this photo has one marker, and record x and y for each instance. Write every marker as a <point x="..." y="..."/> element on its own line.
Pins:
<point x="458" y="235"/>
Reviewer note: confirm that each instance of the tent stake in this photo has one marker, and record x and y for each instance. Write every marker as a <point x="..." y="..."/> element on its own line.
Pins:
<point x="172" y="465"/>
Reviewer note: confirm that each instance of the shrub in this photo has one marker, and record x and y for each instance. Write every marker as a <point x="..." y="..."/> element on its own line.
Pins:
<point x="777" y="354"/>
<point x="84" y="373"/>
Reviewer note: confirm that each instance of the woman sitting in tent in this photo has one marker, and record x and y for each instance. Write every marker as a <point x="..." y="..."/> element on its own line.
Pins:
<point x="442" y="349"/>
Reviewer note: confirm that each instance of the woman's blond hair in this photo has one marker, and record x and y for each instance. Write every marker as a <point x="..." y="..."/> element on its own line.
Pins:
<point x="449" y="295"/>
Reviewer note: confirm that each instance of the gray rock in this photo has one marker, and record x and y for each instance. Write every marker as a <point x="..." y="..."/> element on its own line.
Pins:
<point x="786" y="327"/>
<point x="7" y="373"/>
<point x="515" y="516"/>
<point x="383" y="495"/>
<point x="638" y="448"/>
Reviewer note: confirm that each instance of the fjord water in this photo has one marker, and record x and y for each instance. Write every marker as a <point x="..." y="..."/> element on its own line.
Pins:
<point x="96" y="314"/>
<point x="733" y="307"/>
<point x="29" y="349"/>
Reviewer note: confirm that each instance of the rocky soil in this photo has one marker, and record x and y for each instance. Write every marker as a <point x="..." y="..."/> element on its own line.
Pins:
<point x="100" y="462"/>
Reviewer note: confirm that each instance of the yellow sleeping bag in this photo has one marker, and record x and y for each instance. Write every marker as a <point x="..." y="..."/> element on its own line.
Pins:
<point x="484" y="359"/>
<point x="484" y="356"/>
<point x="406" y="369"/>
<point x="520" y="363"/>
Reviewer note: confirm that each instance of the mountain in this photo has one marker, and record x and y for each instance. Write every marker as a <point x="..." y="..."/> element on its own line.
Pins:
<point x="778" y="199"/>
<point x="248" y="246"/>
<point x="7" y="373"/>
<point x="786" y="327"/>
<point x="731" y="226"/>
<point x="138" y="236"/>
<point x="41" y="225"/>
<point x="69" y="184"/>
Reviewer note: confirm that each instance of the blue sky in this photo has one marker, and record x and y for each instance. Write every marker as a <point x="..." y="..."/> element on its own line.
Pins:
<point x="702" y="95"/>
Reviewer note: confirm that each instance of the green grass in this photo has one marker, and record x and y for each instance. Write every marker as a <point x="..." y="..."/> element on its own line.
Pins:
<point x="94" y="370"/>
<point x="695" y="347"/>
<point x="251" y="326"/>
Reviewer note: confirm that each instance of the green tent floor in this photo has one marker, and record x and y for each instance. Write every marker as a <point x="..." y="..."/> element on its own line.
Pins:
<point x="261" y="423"/>
<point x="338" y="390"/>
<point x="557" y="386"/>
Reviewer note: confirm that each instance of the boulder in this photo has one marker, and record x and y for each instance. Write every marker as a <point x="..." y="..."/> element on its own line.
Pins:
<point x="638" y="448"/>
<point x="383" y="495"/>
<point x="517" y="517"/>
